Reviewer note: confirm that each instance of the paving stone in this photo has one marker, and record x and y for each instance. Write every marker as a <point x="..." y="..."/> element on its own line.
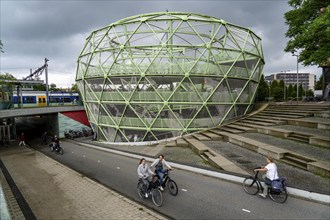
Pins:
<point x="47" y="185"/>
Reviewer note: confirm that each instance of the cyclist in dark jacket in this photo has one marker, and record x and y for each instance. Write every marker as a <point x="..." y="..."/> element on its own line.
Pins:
<point x="159" y="164"/>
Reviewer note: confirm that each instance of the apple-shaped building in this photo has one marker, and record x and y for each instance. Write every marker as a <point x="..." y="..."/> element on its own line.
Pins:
<point x="162" y="75"/>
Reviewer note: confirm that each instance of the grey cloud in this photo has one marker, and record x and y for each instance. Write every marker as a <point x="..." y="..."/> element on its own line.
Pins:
<point x="33" y="30"/>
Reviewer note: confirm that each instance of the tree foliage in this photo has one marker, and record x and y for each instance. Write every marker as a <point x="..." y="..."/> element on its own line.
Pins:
<point x="309" y="31"/>
<point x="7" y="76"/>
<point x="263" y="90"/>
<point x="319" y="84"/>
<point x="74" y="88"/>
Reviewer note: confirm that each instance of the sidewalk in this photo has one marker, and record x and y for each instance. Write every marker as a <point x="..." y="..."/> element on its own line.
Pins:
<point x="53" y="191"/>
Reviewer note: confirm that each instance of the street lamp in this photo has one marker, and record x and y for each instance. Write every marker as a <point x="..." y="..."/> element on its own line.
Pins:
<point x="284" y="78"/>
<point x="297" y="74"/>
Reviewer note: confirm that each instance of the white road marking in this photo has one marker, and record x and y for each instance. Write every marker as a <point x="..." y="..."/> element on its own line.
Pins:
<point x="184" y="190"/>
<point x="118" y="168"/>
<point x="98" y="161"/>
<point x="72" y="152"/>
<point x="245" y="210"/>
<point x="84" y="156"/>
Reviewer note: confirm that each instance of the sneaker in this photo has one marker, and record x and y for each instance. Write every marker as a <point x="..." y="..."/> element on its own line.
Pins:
<point x="161" y="188"/>
<point x="262" y="195"/>
<point x="146" y="195"/>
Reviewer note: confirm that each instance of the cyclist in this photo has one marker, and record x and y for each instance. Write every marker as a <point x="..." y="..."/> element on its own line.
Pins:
<point x="159" y="169"/>
<point x="56" y="143"/>
<point x="271" y="174"/>
<point x="144" y="172"/>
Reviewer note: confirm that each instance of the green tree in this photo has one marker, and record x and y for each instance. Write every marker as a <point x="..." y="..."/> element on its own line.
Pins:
<point x="301" y="91"/>
<point x="309" y="31"/>
<point x="319" y="84"/>
<point x="309" y="93"/>
<point x="278" y="93"/>
<point x="263" y="90"/>
<point x="281" y="85"/>
<point x="74" y="88"/>
<point x="273" y="87"/>
<point x="7" y="76"/>
<point x="290" y="91"/>
<point x="53" y="87"/>
<point x="40" y="87"/>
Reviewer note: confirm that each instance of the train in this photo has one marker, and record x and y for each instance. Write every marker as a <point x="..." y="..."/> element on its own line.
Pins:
<point x="32" y="99"/>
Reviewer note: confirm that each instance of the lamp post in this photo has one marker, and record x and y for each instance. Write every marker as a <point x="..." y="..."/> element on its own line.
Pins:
<point x="284" y="78"/>
<point x="297" y="74"/>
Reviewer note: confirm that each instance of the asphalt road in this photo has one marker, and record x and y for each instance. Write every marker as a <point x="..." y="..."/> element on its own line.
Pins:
<point x="200" y="197"/>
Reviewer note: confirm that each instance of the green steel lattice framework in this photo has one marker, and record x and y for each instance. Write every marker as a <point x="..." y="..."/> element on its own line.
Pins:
<point x="162" y="75"/>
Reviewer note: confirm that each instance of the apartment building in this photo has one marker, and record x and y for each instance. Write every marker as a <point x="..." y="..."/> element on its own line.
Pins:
<point x="307" y="80"/>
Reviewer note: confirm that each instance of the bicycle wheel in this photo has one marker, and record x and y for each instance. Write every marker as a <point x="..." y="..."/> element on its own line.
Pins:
<point x="250" y="185"/>
<point x="157" y="197"/>
<point x="61" y="151"/>
<point x="172" y="187"/>
<point x="279" y="197"/>
<point x="140" y="190"/>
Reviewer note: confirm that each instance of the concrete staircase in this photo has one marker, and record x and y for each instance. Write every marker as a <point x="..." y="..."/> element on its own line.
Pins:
<point x="299" y="137"/>
<point x="265" y="122"/>
<point x="297" y="160"/>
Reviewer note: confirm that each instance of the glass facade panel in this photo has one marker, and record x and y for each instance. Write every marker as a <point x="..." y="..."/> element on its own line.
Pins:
<point x="162" y="75"/>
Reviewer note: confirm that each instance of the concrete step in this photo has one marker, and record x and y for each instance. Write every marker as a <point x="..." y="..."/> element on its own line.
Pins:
<point x="200" y="137"/>
<point x="246" y="124"/>
<point x="230" y="130"/>
<point x="299" y="137"/>
<point x="274" y="117"/>
<point x="309" y="124"/>
<point x="181" y="143"/>
<point x="196" y="145"/>
<point x="320" y="168"/>
<point x="280" y="115"/>
<point x="263" y="119"/>
<point x="254" y="122"/>
<point x="292" y="163"/>
<point x="310" y="108"/>
<point x="240" y="127"/>
<point x="295" y="113"/>
<point x="298" y="162"/>
<point x="212" y="136"/>
<point x="306" y="111"/>
<point x="215" y="131"/>
<point x="323" y="114"/>
<point x="320" y="141"/>
<point x="223" y="163"/>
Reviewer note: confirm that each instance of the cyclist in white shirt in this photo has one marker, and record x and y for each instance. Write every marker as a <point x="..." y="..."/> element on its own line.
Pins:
<point x="271" y="174"/>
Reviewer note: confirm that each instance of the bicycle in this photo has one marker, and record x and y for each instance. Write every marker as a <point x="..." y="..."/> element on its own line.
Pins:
<point x="169" y="183"/>
<point x="57" y="148"/>
<point x="252" y="186"/>
<point x="156" y="194"/>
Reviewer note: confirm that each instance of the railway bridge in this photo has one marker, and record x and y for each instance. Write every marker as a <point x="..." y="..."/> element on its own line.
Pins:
<point x="35" y="121"/>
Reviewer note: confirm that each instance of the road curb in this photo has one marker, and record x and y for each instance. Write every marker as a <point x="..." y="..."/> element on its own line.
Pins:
<point x="292" y="191"/>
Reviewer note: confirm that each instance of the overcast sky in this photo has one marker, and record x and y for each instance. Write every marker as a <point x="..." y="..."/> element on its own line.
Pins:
<point x="34" y="30"/>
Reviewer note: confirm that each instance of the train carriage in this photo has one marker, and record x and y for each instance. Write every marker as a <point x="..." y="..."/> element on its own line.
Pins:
<point x="32" y="99"/>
